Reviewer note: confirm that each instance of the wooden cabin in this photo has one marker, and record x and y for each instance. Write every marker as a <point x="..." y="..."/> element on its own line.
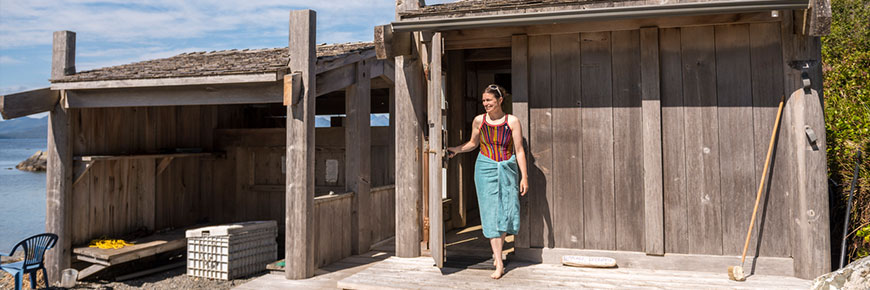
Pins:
<point x="646" y="124"/>
<point x="201" y="138"/>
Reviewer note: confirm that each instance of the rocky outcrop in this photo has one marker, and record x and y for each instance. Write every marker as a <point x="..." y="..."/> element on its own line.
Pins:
<point x="34" y="163"/>
<point x="854" y="276"/>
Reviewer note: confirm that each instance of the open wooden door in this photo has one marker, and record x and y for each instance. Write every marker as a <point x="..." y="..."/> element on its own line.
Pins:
<point x="436" y="106"/>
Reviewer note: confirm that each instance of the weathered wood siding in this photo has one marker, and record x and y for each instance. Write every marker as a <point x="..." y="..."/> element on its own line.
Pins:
<point x="719" y="87"/>
<point x="117" y="197"/>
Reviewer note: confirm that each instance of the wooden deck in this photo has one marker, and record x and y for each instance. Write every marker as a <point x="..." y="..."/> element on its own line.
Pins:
<point x="467" y="269"/>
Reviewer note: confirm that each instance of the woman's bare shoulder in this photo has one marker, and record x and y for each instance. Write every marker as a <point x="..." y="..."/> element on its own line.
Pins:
<point x="513" y="121"/>
<point x="478" y="119"/>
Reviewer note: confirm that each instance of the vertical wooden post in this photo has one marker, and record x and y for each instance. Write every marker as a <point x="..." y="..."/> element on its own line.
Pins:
<point x="299" y="236"/>
<point x="358" y="169"/>
<point x="811" y="242"/>
<point x="58" y="189"/>
<point x="520" y="86"/>
<point x="436" y="154"/>
<point x="408" y="5"/>
<point x="408" y="92"/>
<point x="652" y="143"/>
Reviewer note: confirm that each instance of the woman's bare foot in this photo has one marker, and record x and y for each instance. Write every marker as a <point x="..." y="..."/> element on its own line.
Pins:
<point x="499" y="271"/>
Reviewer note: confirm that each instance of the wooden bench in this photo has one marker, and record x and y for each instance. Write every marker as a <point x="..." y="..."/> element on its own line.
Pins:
<point x="141" y="248"/>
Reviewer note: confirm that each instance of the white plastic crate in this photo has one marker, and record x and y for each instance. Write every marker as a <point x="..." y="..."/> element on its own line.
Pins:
<point x="230" y="251"/>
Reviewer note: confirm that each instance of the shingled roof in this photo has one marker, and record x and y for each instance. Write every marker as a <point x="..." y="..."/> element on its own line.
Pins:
<point x="464" y="8"/>
<point x="215" y="63"/>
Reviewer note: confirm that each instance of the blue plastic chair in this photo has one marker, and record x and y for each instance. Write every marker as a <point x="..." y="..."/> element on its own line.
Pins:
<point x="34" y="251"/>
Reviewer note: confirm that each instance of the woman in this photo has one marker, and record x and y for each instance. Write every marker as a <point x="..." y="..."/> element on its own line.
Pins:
<point x="495" y="173"/>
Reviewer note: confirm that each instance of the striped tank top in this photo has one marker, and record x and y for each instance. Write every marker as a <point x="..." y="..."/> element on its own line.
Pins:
<point x="496" y="141"/>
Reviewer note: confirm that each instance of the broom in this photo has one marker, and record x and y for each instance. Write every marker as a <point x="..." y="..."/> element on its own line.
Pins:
<point x="736" y="272"/>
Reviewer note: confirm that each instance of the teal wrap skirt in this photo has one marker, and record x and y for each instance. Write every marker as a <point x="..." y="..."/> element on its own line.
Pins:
<point x="497" y="195"/>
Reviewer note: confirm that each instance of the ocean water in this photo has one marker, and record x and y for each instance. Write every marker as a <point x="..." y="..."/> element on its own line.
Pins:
<point x="22" y="194"/>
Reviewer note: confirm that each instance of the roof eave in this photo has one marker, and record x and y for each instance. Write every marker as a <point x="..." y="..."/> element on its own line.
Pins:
<point x="609" y="13"/>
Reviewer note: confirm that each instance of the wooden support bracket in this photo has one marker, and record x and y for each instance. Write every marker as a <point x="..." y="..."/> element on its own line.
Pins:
<point x="79" y="170"/>
<point x="164" y="163"/>
<point x="292" y="88"/>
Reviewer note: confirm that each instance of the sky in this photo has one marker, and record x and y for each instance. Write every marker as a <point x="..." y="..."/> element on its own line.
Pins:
<point x="114" y="32"/>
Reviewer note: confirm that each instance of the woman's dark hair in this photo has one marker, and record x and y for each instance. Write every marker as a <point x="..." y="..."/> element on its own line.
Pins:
<point x="496" y="90"/>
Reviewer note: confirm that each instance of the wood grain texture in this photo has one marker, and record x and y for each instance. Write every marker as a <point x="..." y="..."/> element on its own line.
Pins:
<point x="540" y="143"/>
<point x="520" y="87"/>
<point x="597" y="131"/>
<point x="627" y="140"/>
<point x="435" y="152"/>
<point x="654" y="224"/>
<point x="58" y="191"/>
<point x="408" y="163"/>
<point x="299" y="240"/>
<point x="567" y="200"/>
<point x="767" y="86"/>
<point x="736" y="145"/>
<point x="27" y="103"/>
<point x="673" y="143"/>
<point x="358" y="156"/>
<point x="702" y="140"/>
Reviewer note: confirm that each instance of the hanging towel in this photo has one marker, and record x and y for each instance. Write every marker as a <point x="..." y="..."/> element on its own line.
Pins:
<point x="497" y="195"/>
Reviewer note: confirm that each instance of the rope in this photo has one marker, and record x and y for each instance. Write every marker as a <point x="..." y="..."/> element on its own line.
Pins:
<point x="104" y="243"/>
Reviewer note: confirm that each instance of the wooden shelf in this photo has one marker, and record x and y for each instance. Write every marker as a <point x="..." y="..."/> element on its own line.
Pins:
<point x="141" y="156"/>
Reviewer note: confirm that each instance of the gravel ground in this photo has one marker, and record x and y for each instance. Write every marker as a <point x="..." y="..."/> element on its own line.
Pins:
<point x="172" y="279"/>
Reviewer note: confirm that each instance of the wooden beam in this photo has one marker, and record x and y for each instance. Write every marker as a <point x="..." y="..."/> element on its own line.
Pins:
<point x="336" y="79"/>
<point x="520" y="86"/>
<point x="654" y="223"/>
<point x="409" y="138"/>
<point x="261" y="93"/>
<point x="408" y="5"/>
<point x="299" y="232"/>
<point x="324" y="65"/>
<point x="28" y="103"/>
<point x="292" y="88"/>
<point x="501" y="36"/>
<point x="358" y="157"/>
<point x="179" y="81"/>
<point x="436" y="153"/>
<point x="59" y="168"/>
<point x="819" y="18"/>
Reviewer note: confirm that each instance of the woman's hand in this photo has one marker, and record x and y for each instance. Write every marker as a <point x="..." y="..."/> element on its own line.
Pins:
<point x="451" y="151"/>
<point x="524" y="187"/>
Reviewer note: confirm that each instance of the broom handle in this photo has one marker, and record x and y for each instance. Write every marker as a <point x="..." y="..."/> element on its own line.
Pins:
<point x="763" y="176"/>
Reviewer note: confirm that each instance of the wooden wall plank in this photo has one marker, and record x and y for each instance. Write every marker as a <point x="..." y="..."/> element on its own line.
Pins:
<point x="702" y="140"/>
<point x="408" y="163"/>
<point x="767" y="86"/>
<point x="457" y="131"/>
<point x="736" y="145"/>
<point x="627" y="140"/>
<point x="567" y="200"/>
<point x="597" y="131"/>
<point x="81" y="189"/>
<point x="540" y="143"/>
<point x="673" y="143"/>
<point x="520" y="87"/>
<point x="653" y="199"/>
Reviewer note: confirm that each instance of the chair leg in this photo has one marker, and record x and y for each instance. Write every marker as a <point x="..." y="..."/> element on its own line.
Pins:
<point x="45" y="277"/>
<point x="33" y="280"/>
<point x="18" y="281"/>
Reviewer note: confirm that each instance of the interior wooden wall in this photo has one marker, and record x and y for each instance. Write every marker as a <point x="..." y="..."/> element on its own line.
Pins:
<point x="245" y="182"/>
<point x="720" y="86"/>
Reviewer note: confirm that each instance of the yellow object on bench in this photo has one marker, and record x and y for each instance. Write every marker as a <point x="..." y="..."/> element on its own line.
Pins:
<point x="108" y="244"/>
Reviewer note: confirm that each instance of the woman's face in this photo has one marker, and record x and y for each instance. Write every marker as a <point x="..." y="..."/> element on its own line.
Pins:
<point x="491" y="102"/>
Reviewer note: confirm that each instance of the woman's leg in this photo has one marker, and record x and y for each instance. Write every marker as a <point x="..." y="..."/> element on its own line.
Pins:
<point x="497" y="244"/>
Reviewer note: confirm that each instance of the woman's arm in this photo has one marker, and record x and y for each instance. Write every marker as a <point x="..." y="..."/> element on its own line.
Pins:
<point x="517" y="134"/>
<point x="472" y="143"/>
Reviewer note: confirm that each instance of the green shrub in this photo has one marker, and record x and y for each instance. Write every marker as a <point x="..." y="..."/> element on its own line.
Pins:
<point x="846" y="67"/>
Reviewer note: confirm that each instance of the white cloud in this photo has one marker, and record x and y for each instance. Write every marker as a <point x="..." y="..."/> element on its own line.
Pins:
<point x="4" y="59"/>
<point x="15" y="89"/>
<point x="27" y="23"/>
